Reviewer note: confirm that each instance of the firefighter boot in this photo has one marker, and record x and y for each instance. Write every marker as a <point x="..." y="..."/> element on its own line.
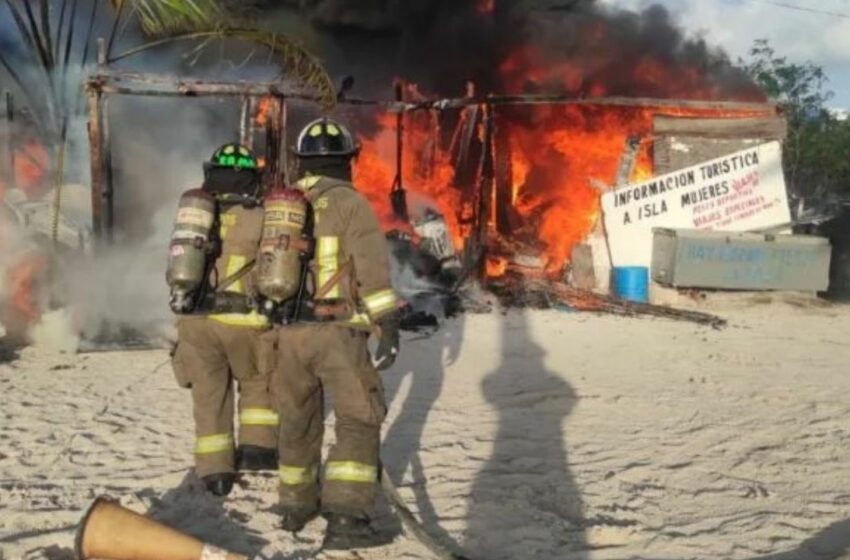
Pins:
<point x="256" y="458"/>
<point x="293" y="519"/>
<point x="346" y="532"/>
<point x="219" y="484"/>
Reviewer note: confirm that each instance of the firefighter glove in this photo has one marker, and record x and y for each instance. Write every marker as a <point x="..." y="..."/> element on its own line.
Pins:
<point x="388" y="342"/>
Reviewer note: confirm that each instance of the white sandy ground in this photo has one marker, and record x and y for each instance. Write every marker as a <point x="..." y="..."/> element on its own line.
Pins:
<point x="533" y="435"/>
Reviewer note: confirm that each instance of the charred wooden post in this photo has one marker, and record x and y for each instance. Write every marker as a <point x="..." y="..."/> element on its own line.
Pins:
<point x="274" y="142"/>
<point x="465" y="157"/>
<point x="284" y="141"/>
<point x="503" y="180"/>
<point x="280" y="130"/>
<point x="108" y="175"/>
<point x="485" y="193"/>
<point x="108" y="192"/>
<point x="245" y="120"/>
<point x="398" y="196"/>
<point x="8" y="154"/>
<point x="95" y="126"/>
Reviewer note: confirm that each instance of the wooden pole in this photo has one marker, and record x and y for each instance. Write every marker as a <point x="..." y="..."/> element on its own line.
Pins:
<point x="96" y="156"/>
<point x="109" y="183"/>
<point x="485" y="192"/>
<point x="157" y="85"/>
<point x="273" y="141"/>
<point x="284" y="141"/>
<point x="398" y="195"/>
<point x="244" y="118"/>
<point x="504" y="179"/>
<point x="9" y="151"/>
<point x="108" y="189"/>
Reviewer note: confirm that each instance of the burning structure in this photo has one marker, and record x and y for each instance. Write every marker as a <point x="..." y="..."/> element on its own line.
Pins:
<point x="492" y="154"/>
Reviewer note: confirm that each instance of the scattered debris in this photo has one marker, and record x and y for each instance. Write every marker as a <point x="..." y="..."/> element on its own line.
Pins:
<point x="541" y="294"/>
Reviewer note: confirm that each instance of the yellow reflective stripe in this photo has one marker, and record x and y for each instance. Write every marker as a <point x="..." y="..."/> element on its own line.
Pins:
<point x="295" y="476"/>
<point x="359" y="322"/>
<point x="252" y="319"/>
<point x="258" y="417"/>
<point x="217" y="443"/>
<point x="351" y="471"/>
<point x="379" y="302"/>
<point x="227" y="222"/>
<point x="327" y="259"/>
<point x="359" y="319"/>
<point x="308" y="182"/>
<point x="235" y="264"/>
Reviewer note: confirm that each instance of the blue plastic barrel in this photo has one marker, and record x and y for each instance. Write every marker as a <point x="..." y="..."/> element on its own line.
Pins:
<point x="632" y="283"/>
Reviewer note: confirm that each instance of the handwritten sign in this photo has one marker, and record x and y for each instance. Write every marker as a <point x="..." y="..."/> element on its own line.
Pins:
<point x="744" y="191"/>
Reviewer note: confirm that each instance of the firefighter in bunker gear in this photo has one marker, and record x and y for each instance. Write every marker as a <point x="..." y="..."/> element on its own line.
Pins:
<point x="350" y="296"/>
<point x="218" y="337"/>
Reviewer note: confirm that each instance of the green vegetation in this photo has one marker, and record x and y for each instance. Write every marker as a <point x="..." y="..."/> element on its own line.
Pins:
<point x="817" y="150"/>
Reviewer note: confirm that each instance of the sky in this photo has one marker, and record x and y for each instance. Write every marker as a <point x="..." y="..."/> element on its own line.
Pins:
<point x="793" y="31"/>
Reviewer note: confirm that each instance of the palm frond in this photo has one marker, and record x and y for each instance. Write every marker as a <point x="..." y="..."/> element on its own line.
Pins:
<point x="180" y="20"/>
<point x="296" y="62"/>
<point x="162" y="18"/>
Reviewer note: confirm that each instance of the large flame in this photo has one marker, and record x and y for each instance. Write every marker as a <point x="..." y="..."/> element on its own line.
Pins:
<point x="562" y="155"/>
<point x="427" y="170"/>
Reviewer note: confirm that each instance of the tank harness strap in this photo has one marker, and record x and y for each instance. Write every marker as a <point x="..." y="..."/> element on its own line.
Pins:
<point x="236" y="276"/>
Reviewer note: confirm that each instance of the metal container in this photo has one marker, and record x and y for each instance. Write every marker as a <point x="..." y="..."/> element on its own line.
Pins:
<point x="740" y="261"/>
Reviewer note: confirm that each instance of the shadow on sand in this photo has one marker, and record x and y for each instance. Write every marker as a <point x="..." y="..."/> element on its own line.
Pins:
<point x="833" y="543"/>
<point x="423" y="361"/>
<point x="524" y="501"/>
<point x="189" y="508"/>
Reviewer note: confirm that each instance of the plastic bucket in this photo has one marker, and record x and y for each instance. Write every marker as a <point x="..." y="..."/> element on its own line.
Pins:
<point x="632" y="283"/>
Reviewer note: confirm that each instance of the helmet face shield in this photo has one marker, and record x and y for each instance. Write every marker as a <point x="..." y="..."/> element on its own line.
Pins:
<point x="325" y="138"/>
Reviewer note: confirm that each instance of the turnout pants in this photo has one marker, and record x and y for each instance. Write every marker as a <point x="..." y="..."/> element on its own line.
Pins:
<point x="209" y="357"/>
<point x="309" y="359"/>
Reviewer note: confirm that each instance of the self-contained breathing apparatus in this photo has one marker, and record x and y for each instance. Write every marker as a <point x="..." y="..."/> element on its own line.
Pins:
<point x="285" y="249"/>
<point x="324" y="148"/>
<point x="231" y="178"/>
<point x="191" y="250"/>
<point x="286" y="283"/>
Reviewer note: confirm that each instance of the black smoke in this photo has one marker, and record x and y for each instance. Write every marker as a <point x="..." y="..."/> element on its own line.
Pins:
<point x="443" y="44"/>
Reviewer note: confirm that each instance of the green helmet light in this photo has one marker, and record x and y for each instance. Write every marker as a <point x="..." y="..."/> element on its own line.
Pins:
<point x="235" y="156"/>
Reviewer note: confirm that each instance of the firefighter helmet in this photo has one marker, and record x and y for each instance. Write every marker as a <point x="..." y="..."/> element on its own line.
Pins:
<point x="234" y="156"/>
<point x="325" y="138"/>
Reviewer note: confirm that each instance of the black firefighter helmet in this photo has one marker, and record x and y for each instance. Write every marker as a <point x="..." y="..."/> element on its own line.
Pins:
<point x="232" y="171"/>
<point x="325" y="138"/>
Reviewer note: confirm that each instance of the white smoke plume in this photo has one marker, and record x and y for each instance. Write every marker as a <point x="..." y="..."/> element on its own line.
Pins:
<point x="112" y="292"/>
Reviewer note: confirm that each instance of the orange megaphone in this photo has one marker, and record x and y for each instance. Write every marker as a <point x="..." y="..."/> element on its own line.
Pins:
<point x="111" y="532"/>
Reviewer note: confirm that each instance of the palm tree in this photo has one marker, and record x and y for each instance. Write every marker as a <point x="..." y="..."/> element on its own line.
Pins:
<point x="53" y="45"/>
